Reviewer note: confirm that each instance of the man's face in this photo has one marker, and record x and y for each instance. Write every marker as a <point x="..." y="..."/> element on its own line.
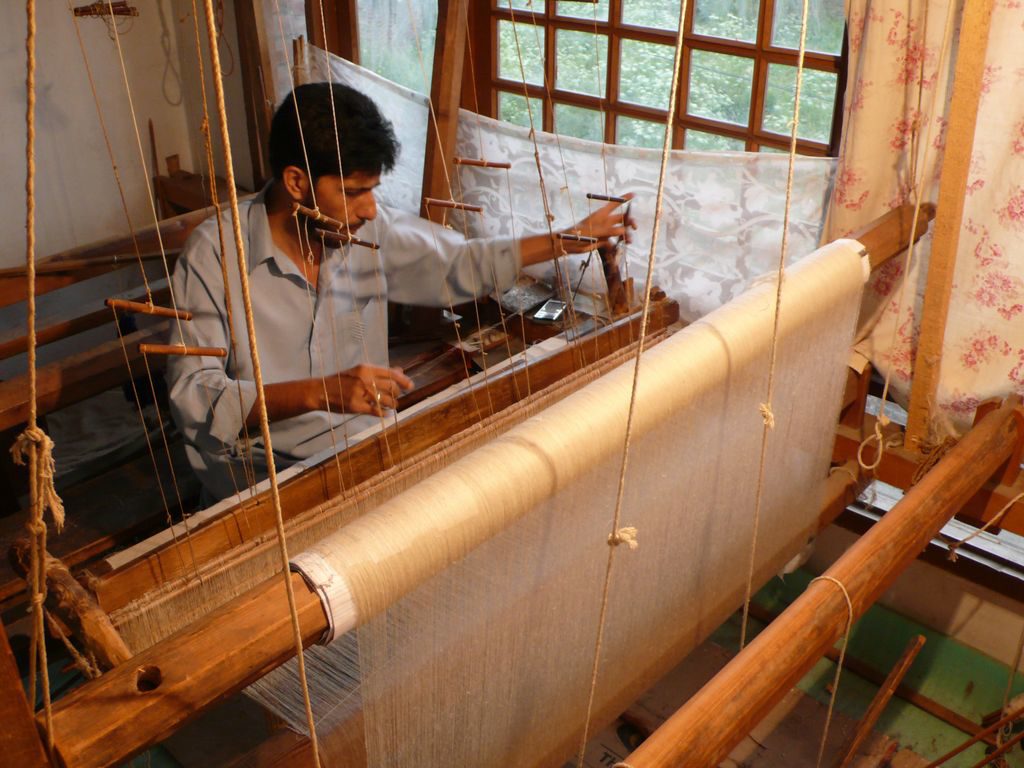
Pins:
<point x="348" y="199"/>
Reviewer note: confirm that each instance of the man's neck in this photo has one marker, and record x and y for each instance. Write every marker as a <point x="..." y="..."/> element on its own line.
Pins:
<point x="288" y="237"/>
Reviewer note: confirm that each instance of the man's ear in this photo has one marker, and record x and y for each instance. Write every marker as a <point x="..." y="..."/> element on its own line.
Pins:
<point x="296" y="183"/>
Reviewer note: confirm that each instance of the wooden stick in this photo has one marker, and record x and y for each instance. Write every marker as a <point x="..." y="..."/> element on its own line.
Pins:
<point x="1015" y="715"/>
<point x="341" y="231"/>
<point x="144" y="700"/>
<point x="606" y="198"/>
<point x="66" y="328"/>
<point x="956" y="163"/>
<point x="575" y="238"/>
<point x="433" y="202"/>
<point x="181" y="349"/>
<point x="84" y="265"/>
<point x="141" y="307"/>
<point x="881" y="699"/>
<point x="71" y="603"/>
<point x="987" y="760"/>
<point x="480" y="163"/>
<point x="714" y="720"/>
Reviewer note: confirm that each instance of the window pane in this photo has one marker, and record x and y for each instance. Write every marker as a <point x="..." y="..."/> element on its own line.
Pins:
<point x="593" y="11"/>
<point x="579" y="122"/>
<point x="639" y="133"/>
<point x="720" y="87"/>
<point x="769" y="149"/>
<point x="713" y="142"/>
<point x="728" y="19"/>
<point x="645" y="73"/>
<point x="817" y="100"/>
<point x="388" y="30"/>
<point x="660" y="14"/>
<point x="825" y="25"/>
<point x="512" y="109"/>
<point x="582" y="59"/>
<point x="537" y="6"/>
<point x="511" y="65"/>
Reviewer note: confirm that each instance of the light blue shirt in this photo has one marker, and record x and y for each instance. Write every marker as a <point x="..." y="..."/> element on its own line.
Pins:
<point x="304" y="331"/>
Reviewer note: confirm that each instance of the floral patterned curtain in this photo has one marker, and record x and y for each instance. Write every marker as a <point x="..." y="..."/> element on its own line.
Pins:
<point x="902" y="56"/>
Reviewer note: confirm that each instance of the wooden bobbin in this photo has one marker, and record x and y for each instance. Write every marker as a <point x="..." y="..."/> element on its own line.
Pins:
<point x="181" y="349"/>
<point x="606" y="198"/>
<point x="433" y="202"/>
<point x="144" y="308"/>
<point x="340" y="233"/>
<point x="480" y="163"/>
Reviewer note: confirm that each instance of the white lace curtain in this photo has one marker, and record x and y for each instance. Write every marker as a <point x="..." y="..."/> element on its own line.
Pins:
<point x="722" y="220"/>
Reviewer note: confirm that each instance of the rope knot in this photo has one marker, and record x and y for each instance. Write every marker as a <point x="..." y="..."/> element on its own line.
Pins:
<point x="35" y="446"/>
<point x="767" y="415"/>
<point x="625" y="536"/>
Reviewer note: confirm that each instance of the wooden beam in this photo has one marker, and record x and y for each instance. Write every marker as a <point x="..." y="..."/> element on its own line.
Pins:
<point x="717" y="718"/>
<point x="20" y="744"/>
<point x="341" y="36"/>
<point x="889" y="235"/>
<point x="68" y="601"/>
<point x="956" y="164"/>
<point x="257" y="85"/>
<point x="75" y="378"/>
<point x="139" y="703"/>
<point x="445" y="91"/>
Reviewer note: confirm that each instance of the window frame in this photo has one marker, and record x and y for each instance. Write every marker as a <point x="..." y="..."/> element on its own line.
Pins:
<point x="761" y="51"/>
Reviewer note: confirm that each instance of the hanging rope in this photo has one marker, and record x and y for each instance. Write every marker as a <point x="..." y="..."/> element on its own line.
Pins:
<point x="839" y="663"/>
<point x="628" y="534"/>
<point x="261" y="402"/>
<point x="33" y="446"/>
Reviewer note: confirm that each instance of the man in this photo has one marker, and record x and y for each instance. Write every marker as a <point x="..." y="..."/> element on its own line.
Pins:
<point x="320" y="311"/>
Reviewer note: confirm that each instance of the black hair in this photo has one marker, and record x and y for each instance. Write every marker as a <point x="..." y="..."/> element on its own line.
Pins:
<point x="365" y="136"/>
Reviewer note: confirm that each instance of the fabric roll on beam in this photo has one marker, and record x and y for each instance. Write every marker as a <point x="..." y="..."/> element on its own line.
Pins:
<point x="478" y="591"/>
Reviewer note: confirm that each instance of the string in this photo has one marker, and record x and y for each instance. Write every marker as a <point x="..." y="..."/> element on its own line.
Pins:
<point x="156" y="227"/>
<point x="766" y="407"/>
<point x="978" y="531"/>
<point x="261" y="402"/>
<point x="248" y="460"/>
<point x="619" y="534"/>
<point x="839" y="663"/>
<point x="110" y="153"/>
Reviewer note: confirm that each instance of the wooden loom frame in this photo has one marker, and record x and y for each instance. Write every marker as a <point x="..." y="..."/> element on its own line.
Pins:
<point x="993" y="448"/>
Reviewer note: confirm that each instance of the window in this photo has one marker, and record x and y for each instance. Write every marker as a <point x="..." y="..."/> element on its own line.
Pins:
<point x="603" y="70"/>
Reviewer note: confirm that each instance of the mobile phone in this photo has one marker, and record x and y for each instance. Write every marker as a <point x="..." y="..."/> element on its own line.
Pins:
<point x="550" y="311"/>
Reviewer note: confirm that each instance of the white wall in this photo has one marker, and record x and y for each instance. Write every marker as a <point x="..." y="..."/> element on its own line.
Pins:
<point x="77" y="197"/>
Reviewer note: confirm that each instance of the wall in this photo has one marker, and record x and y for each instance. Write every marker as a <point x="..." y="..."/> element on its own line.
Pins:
<point x="77" y="197"/>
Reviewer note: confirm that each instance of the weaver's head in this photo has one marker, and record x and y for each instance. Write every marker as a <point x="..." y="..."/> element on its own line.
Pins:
<point x="364" y="136"/>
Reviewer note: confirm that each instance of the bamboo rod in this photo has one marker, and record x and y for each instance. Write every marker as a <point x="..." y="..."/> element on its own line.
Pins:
<point x="606" y="198"/>
<point x="714" y="720"/>
<point x="575" y="238"/>
<point x="480" y="163"/>
<point x="143" y="308"/>
<point x="181" y="349"/>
